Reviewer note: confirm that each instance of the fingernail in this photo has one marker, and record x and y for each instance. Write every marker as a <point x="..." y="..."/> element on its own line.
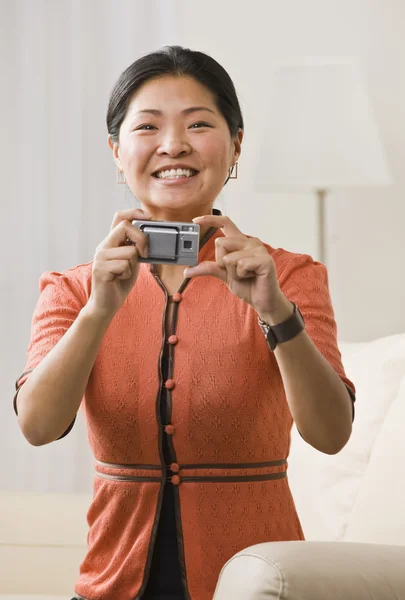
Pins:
<point x="197" y="219"/>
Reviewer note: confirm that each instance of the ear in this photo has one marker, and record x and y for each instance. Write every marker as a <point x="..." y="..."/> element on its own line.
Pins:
<point x="237" y="145"/>
<point x="116" y="151"/>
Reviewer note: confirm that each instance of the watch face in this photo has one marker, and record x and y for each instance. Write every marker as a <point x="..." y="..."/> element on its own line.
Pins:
<point x="269" y="335"/>
<point x="265" y="329"/>
<point x="271" y="339"/>
<point x="301" y="318"/>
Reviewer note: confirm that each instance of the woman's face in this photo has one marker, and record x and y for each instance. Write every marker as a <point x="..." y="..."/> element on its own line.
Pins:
<point x="173" y="122"/>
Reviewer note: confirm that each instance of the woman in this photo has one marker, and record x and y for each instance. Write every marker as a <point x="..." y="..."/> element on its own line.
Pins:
<point x="191" y="377"/>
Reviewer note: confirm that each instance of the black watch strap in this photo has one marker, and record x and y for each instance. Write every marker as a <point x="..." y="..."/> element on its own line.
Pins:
<point x="283" y="332"/>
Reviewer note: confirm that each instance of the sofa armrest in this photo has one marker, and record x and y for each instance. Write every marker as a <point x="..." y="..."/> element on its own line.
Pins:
<point x="314" y="571"/>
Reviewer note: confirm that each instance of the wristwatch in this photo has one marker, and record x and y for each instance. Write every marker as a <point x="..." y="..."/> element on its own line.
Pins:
<point x="277" y="334"/>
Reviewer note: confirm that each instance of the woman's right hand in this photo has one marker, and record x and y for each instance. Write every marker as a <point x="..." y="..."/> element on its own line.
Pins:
<point x="116" y="265"/>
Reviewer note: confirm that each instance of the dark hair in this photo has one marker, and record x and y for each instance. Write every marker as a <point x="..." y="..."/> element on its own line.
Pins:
<point x="176" y="61"/>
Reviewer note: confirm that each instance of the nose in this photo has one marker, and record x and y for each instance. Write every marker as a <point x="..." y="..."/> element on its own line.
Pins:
<point x="174" y="143"/>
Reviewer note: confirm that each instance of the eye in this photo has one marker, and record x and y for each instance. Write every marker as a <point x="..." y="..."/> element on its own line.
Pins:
<point x="143" y="127"/>
<point x="201" y="124"/>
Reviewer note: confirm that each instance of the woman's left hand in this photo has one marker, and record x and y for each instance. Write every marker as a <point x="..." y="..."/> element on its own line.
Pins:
<point x="244" y="264"/>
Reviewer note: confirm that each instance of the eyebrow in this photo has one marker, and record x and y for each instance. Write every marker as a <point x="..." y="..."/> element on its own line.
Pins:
<point x="186" y="111"/>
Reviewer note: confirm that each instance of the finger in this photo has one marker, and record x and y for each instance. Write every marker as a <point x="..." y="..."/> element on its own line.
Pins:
<point x="127" y="274"/>
<point x="129" y="215"/>
<point x="132" y="265"/>
<point x="120" y="253"/>
<point x="206" y="268"/>
<point x="121" y="233"/>
<point x="252" y="266"/>
<point x="226" y="245"/>
<point x="107" y="271"/>
<point x="224" y="223"/>
<point x="232" y="260"/>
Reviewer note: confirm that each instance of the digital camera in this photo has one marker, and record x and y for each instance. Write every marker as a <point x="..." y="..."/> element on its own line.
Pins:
<point x="170" y="242"/>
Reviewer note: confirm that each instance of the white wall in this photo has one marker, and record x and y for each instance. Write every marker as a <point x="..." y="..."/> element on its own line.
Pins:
<point x="365" y="245"/>
<point x="60" y="60"/>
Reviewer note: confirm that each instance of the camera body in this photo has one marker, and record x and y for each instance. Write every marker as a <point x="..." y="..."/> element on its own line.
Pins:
<point x="170" y="242"/>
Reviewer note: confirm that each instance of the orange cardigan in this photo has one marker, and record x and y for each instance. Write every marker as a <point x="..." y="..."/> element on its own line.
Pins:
<point x="230" y="422"/>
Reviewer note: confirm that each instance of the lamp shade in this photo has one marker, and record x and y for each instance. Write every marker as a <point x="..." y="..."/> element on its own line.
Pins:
<point x="318" y="129"/>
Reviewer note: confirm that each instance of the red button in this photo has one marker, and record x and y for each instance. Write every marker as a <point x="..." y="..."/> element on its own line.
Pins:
<point x="169" y="385"/>
<point x="169" y="429"/>
<point x="175" y="467"/>
<point x="175" y="480"/>
<point x="173" y="339"/>
<point x="177" y="297"/>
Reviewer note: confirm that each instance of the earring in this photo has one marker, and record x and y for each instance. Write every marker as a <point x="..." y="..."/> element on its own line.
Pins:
<point x="231" y="174"/>
<point x="120" y="176"/>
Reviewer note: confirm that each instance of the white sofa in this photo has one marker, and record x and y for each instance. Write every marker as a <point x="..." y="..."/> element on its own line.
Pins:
<point x="352" y="508"/>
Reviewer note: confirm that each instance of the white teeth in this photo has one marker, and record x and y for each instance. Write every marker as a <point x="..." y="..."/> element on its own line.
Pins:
<point x="175" y="173"/>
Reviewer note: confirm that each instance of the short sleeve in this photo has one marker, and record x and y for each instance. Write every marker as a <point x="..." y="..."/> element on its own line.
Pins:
<point x="59" y="304"/>
<point x="305" y="282"/>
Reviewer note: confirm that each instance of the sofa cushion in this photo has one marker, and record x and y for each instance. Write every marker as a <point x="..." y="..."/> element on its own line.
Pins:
<point x="326" y="488"/>
<point x="378" y="514"/>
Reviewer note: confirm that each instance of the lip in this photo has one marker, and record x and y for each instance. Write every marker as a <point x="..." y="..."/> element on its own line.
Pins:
<point x="174" y="181"/>
<point x="175" y="166"/>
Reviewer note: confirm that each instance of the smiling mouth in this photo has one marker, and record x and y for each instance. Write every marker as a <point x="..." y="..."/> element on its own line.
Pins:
<point x="175" y="174"/>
